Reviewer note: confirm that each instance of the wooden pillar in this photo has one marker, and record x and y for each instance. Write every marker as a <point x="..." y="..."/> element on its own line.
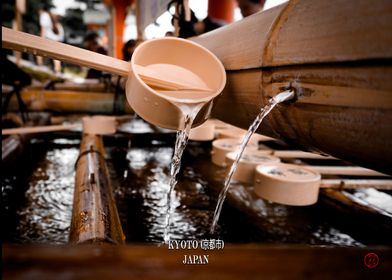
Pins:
<point x="94" y="214"/>
<point x="19" y="11"/>
<point x="222" y="9"/>
<point x="120" y="11"/>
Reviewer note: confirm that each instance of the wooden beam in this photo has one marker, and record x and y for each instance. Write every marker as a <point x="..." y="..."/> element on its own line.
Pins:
<point x="71" y="102"/>
<point x="346" y="170"/>
<point x="253" y="261"/>
<point x="381" y="184"/>
<point x="94" y="214"/>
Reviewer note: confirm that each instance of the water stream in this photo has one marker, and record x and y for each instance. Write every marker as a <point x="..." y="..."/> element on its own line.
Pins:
<point x="189" y="114"/>
<point x="281" y="97"/>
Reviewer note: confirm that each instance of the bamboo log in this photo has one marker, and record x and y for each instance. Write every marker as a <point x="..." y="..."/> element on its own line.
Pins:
<point x="233" y="262"/>
<point x="71" y="102"/>
<point x="94" y="215"/>
<point x="337" y="58"/>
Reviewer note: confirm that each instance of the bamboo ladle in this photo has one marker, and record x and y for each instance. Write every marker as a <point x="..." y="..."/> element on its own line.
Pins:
<point x="24" y="42"/>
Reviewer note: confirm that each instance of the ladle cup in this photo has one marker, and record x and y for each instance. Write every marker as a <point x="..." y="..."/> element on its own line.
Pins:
<point x="164" y="76"/>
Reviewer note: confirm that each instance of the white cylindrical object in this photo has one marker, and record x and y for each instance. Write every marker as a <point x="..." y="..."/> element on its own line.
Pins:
<point x="288" y="184"/>
<point x="99" y="125"/>
<point x="246" y="167"/>
<point x="236" y="132"/>
<point x="204" y="132"/>
<point x="221" y="147"/>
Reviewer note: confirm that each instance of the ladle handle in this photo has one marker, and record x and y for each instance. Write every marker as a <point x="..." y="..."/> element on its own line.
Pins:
<point x="24" y="42"/>
<point x="346" y="170"/>
<point x="39" y="129"/>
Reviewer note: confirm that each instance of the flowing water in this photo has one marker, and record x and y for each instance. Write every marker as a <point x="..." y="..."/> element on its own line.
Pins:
<point x="37" y="198"/>
<point x="181" y="142"/>
<point x="286" y="95"/>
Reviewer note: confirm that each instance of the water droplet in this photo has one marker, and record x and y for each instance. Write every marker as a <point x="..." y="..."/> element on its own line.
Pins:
<point x="24" y="49"/>
<point x="156" y="103"/>
<point x="146" y="99"/>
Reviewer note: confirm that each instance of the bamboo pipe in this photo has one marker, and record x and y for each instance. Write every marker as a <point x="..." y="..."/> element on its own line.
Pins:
<point x="24" y="42"/>
<point x="94" y="215"/>
<point x="342" y="78"/>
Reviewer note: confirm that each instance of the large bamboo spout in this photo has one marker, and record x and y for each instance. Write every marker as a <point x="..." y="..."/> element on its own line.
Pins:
<point x="336" y="56"/>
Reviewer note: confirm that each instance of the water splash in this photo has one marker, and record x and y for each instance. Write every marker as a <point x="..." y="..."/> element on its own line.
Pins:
<point x="281" y="97"/>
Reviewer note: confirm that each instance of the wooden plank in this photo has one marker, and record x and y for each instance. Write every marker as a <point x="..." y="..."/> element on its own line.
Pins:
<point x="70" y="101"/>
<point x="39" y="129"/>
<point x="381" y="184"/>
<point x="94" y="215"/>
<point x="240" y="45"/>
<point x="88" y="85"/>
<point x="299" y="154"/>
<point x="346" y="170"/>
<point x="319" y="31"/>
<point x="233" y="262"/>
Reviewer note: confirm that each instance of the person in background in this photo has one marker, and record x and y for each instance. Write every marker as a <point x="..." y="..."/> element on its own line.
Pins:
<point x="128" y="49"/>
<point x="250" y="7"/>
<point x="191" y="26"/>
<point x="169" y="34"/>
<point x="51" y="29"/>
<point x="92" y="43"/>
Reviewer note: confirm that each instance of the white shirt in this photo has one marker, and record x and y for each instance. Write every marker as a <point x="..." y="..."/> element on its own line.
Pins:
<point x="46" y="24"/>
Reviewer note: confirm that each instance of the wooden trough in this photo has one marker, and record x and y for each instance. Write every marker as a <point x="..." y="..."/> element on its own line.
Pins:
<point x="337" y="56"/>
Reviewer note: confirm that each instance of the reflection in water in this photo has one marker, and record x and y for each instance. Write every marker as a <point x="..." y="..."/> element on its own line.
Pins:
<point x="47" y="215"/>
<point x="375" y="198"/>
<point x="37" y="200"/>
<point x="44" y="213"/>
<point x="142" y="197"/>
<point x="141" y="203"/>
